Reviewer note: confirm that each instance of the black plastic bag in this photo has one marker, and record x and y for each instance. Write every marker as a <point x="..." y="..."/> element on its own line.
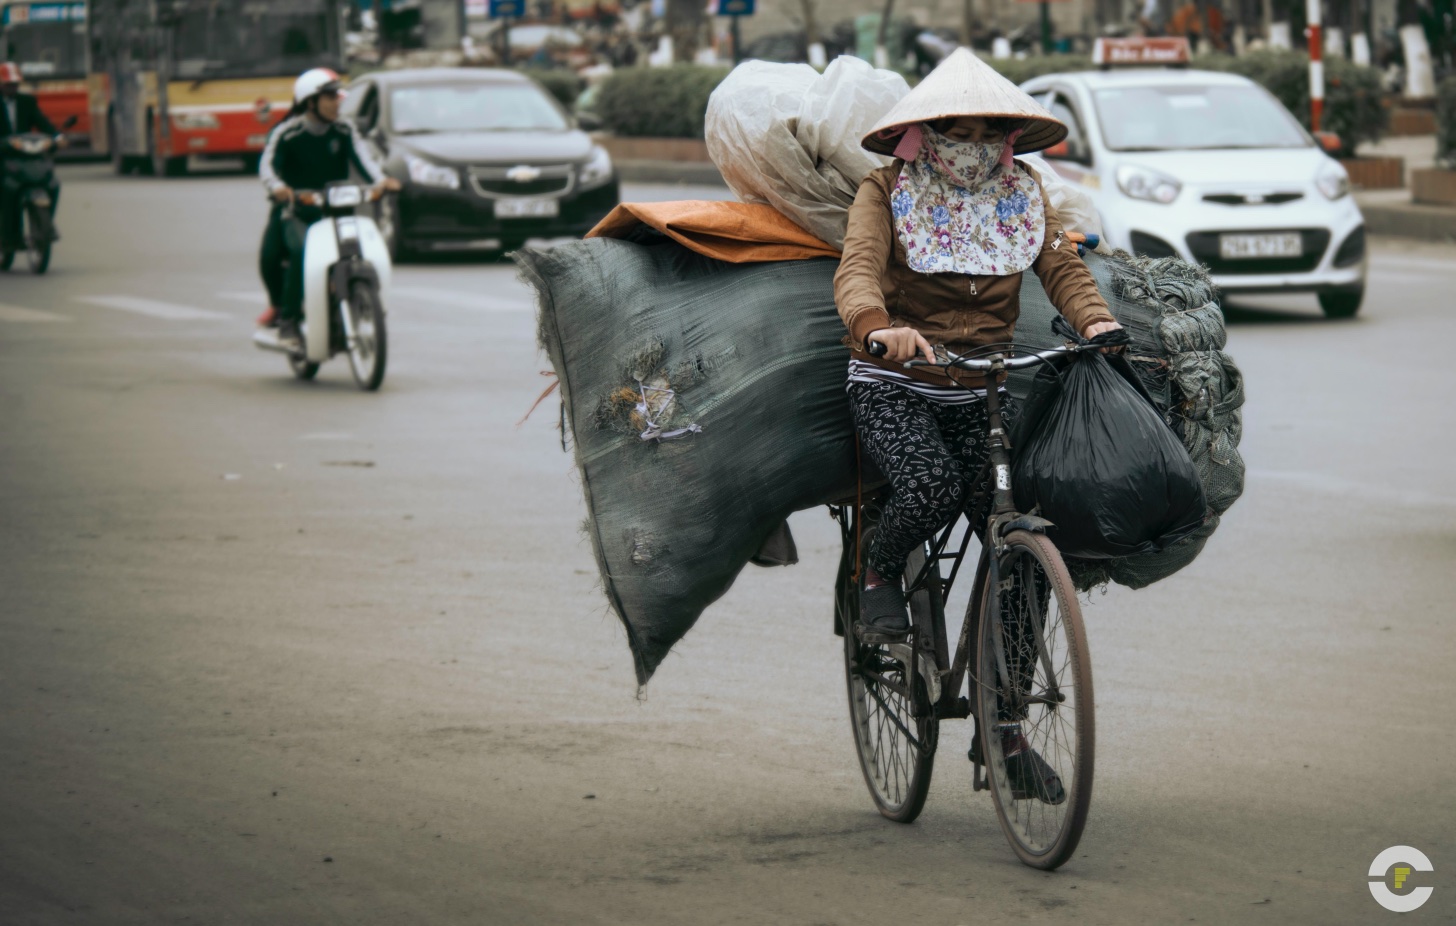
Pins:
<point x="1094" y="456"/>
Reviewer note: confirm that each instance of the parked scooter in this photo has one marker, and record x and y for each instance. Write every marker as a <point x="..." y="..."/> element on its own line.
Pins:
<point x="346" y="270"/>
<point x="30" y="172"/>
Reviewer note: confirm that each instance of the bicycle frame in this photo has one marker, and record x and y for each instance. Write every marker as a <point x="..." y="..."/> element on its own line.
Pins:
<point x="929" y="636"/>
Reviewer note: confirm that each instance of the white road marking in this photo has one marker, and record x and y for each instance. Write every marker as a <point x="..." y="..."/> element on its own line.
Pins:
<point x="151" y="307"/>
<point x="14" y="313"/>
<point x="327" y="435"/>
<point x="252" y="298"/>
<point x="461" y="300"/>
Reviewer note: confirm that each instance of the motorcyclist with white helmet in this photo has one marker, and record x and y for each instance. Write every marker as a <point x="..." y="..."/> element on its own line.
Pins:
<point x="308" y="150"/>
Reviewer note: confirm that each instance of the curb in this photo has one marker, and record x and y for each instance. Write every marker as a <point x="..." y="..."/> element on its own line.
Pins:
<point x="1408" y="220"/>
<point x="694" y="172"/>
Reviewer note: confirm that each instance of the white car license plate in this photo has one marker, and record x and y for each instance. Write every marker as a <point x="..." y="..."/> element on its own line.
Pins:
<point x="1277" y="244"/>
<point x="527" y="208"/>
<point x="257" y="141"/>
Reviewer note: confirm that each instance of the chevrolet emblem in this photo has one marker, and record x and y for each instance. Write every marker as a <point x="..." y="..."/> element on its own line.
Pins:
<point x="524" y="173"/>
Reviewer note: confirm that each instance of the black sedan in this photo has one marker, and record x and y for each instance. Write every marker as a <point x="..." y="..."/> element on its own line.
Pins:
<point x="488" y="159"/>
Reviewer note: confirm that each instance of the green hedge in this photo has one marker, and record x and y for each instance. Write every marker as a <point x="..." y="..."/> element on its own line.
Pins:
<point x="1020" y="70"/>
<point x="1446" y="123"/>
<point x="562" y="84"/>
<point x="1353" y="110"/>
<point x="668" y="102"/>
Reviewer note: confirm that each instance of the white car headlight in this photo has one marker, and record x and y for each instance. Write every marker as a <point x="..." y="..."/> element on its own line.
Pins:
<point x="1332" y="180"/>
<point x="427" y="174"/>
<point x="1145" y="183"/>
<point x="195" y="122"/>
<point x="599" y="169"/>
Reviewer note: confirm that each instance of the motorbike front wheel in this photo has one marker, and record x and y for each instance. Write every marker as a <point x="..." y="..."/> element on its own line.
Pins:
<point x="369" y="348"/>
<point x="38" y="238"/>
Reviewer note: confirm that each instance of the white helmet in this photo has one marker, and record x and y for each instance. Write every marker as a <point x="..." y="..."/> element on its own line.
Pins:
<point x="313" y="82"/>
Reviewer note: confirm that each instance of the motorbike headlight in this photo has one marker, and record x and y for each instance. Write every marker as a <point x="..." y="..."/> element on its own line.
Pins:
<point x="1148" y="184"/>
<point x="195" y="122"/>
<point x="1332" y="180"/>
<point x="598" y="170"/>
<point x="427" y="174"/>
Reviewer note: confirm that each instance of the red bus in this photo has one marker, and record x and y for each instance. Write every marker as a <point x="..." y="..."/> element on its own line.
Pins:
<point x="48" y="42"/>
<point x="203" y="78"/>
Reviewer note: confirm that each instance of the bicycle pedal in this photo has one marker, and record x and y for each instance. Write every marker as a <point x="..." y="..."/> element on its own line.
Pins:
<point x="875" y="637"/>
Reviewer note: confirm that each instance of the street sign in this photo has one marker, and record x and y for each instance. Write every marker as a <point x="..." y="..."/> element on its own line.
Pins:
<point x="21" y="13"/>
<point x="514" y="9"/>
<point x="734" y="8"/>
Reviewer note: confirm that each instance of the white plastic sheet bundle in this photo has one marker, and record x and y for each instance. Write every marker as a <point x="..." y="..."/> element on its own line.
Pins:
<point x="788" y="136"/>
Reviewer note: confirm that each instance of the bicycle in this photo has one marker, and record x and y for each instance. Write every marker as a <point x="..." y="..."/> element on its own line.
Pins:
<point x="1030" y="686"/>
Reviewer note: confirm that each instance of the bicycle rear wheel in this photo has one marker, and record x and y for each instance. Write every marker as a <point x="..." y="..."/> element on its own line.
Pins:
<point x="893" y="719"/>
<point x="1035" y="696"/>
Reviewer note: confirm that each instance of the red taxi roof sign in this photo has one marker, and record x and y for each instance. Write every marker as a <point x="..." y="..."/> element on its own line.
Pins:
<point x="1141" y="52"/>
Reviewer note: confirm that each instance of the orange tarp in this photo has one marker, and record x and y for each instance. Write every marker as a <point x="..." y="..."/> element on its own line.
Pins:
<point x="738" y="233"/>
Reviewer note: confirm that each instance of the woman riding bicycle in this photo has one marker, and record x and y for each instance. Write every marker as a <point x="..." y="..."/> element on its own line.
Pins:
<point x="933" y="256"/>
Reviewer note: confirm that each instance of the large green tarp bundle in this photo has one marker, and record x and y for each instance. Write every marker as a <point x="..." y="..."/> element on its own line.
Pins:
<point x="706" y="403"/>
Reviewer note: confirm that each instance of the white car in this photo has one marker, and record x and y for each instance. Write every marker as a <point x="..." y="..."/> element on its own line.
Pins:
<point x="1211" y="168"/>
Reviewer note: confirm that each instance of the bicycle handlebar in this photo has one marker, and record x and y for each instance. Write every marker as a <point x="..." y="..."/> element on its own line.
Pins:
<point x="1116" y="338"/>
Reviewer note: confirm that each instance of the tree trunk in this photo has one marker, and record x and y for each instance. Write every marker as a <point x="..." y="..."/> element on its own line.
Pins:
<point x="811" y="26"/>
<point x="685" y="25"/>
<point x="1110" y="13"/>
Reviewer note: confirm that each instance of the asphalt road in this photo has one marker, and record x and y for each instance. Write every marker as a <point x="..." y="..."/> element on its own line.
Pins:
<point x="286" y="653"/>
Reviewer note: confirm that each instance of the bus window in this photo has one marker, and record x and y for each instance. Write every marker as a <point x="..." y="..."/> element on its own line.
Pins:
<point x="253" y="38"/>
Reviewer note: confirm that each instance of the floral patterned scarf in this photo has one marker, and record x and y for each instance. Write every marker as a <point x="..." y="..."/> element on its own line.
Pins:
<point x="958" y="209"/>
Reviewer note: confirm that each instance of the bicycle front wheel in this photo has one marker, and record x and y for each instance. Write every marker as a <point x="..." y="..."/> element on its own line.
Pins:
<point x="1034" y="704"/>
<point x="893" y="719"/>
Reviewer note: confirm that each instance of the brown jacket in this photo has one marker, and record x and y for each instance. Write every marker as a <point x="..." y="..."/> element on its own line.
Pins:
<point x="874" y="288"/>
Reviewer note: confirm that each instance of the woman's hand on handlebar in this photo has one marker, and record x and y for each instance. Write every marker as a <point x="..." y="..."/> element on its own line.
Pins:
<point x="902" y="344"/>
<point x="387" y="185"/>
<point x="283" y="193"/>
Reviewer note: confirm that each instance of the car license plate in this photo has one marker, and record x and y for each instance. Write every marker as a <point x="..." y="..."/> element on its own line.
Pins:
<point x="1277" y="244"/>
<point x="257" y="141"/>
<point x="526" y="208"/>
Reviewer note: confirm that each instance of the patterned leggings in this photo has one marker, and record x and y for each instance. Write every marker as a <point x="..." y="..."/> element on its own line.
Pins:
<point x="930" y="451"/>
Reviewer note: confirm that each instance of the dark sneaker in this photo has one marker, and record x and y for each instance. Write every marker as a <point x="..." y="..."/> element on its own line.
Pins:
<point x="1026" y="771"/>
<point x="288" y="336"/>
<point x="883" y="616"/>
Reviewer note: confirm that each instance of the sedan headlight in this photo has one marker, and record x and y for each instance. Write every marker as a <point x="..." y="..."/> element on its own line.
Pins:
<point x="598" y="170"/>
<point x="427" y="174"/>
<point x="1148" y="184"/>
<point x="195" y="122"/>
<point x="1332" y="180"/>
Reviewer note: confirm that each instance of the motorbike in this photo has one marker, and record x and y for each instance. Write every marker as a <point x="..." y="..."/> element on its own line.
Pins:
<point x="30" y="173"/>
<point x="346" y="271"/>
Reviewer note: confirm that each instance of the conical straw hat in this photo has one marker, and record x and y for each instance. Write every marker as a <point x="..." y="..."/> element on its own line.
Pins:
<point x="964" y="85"/>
